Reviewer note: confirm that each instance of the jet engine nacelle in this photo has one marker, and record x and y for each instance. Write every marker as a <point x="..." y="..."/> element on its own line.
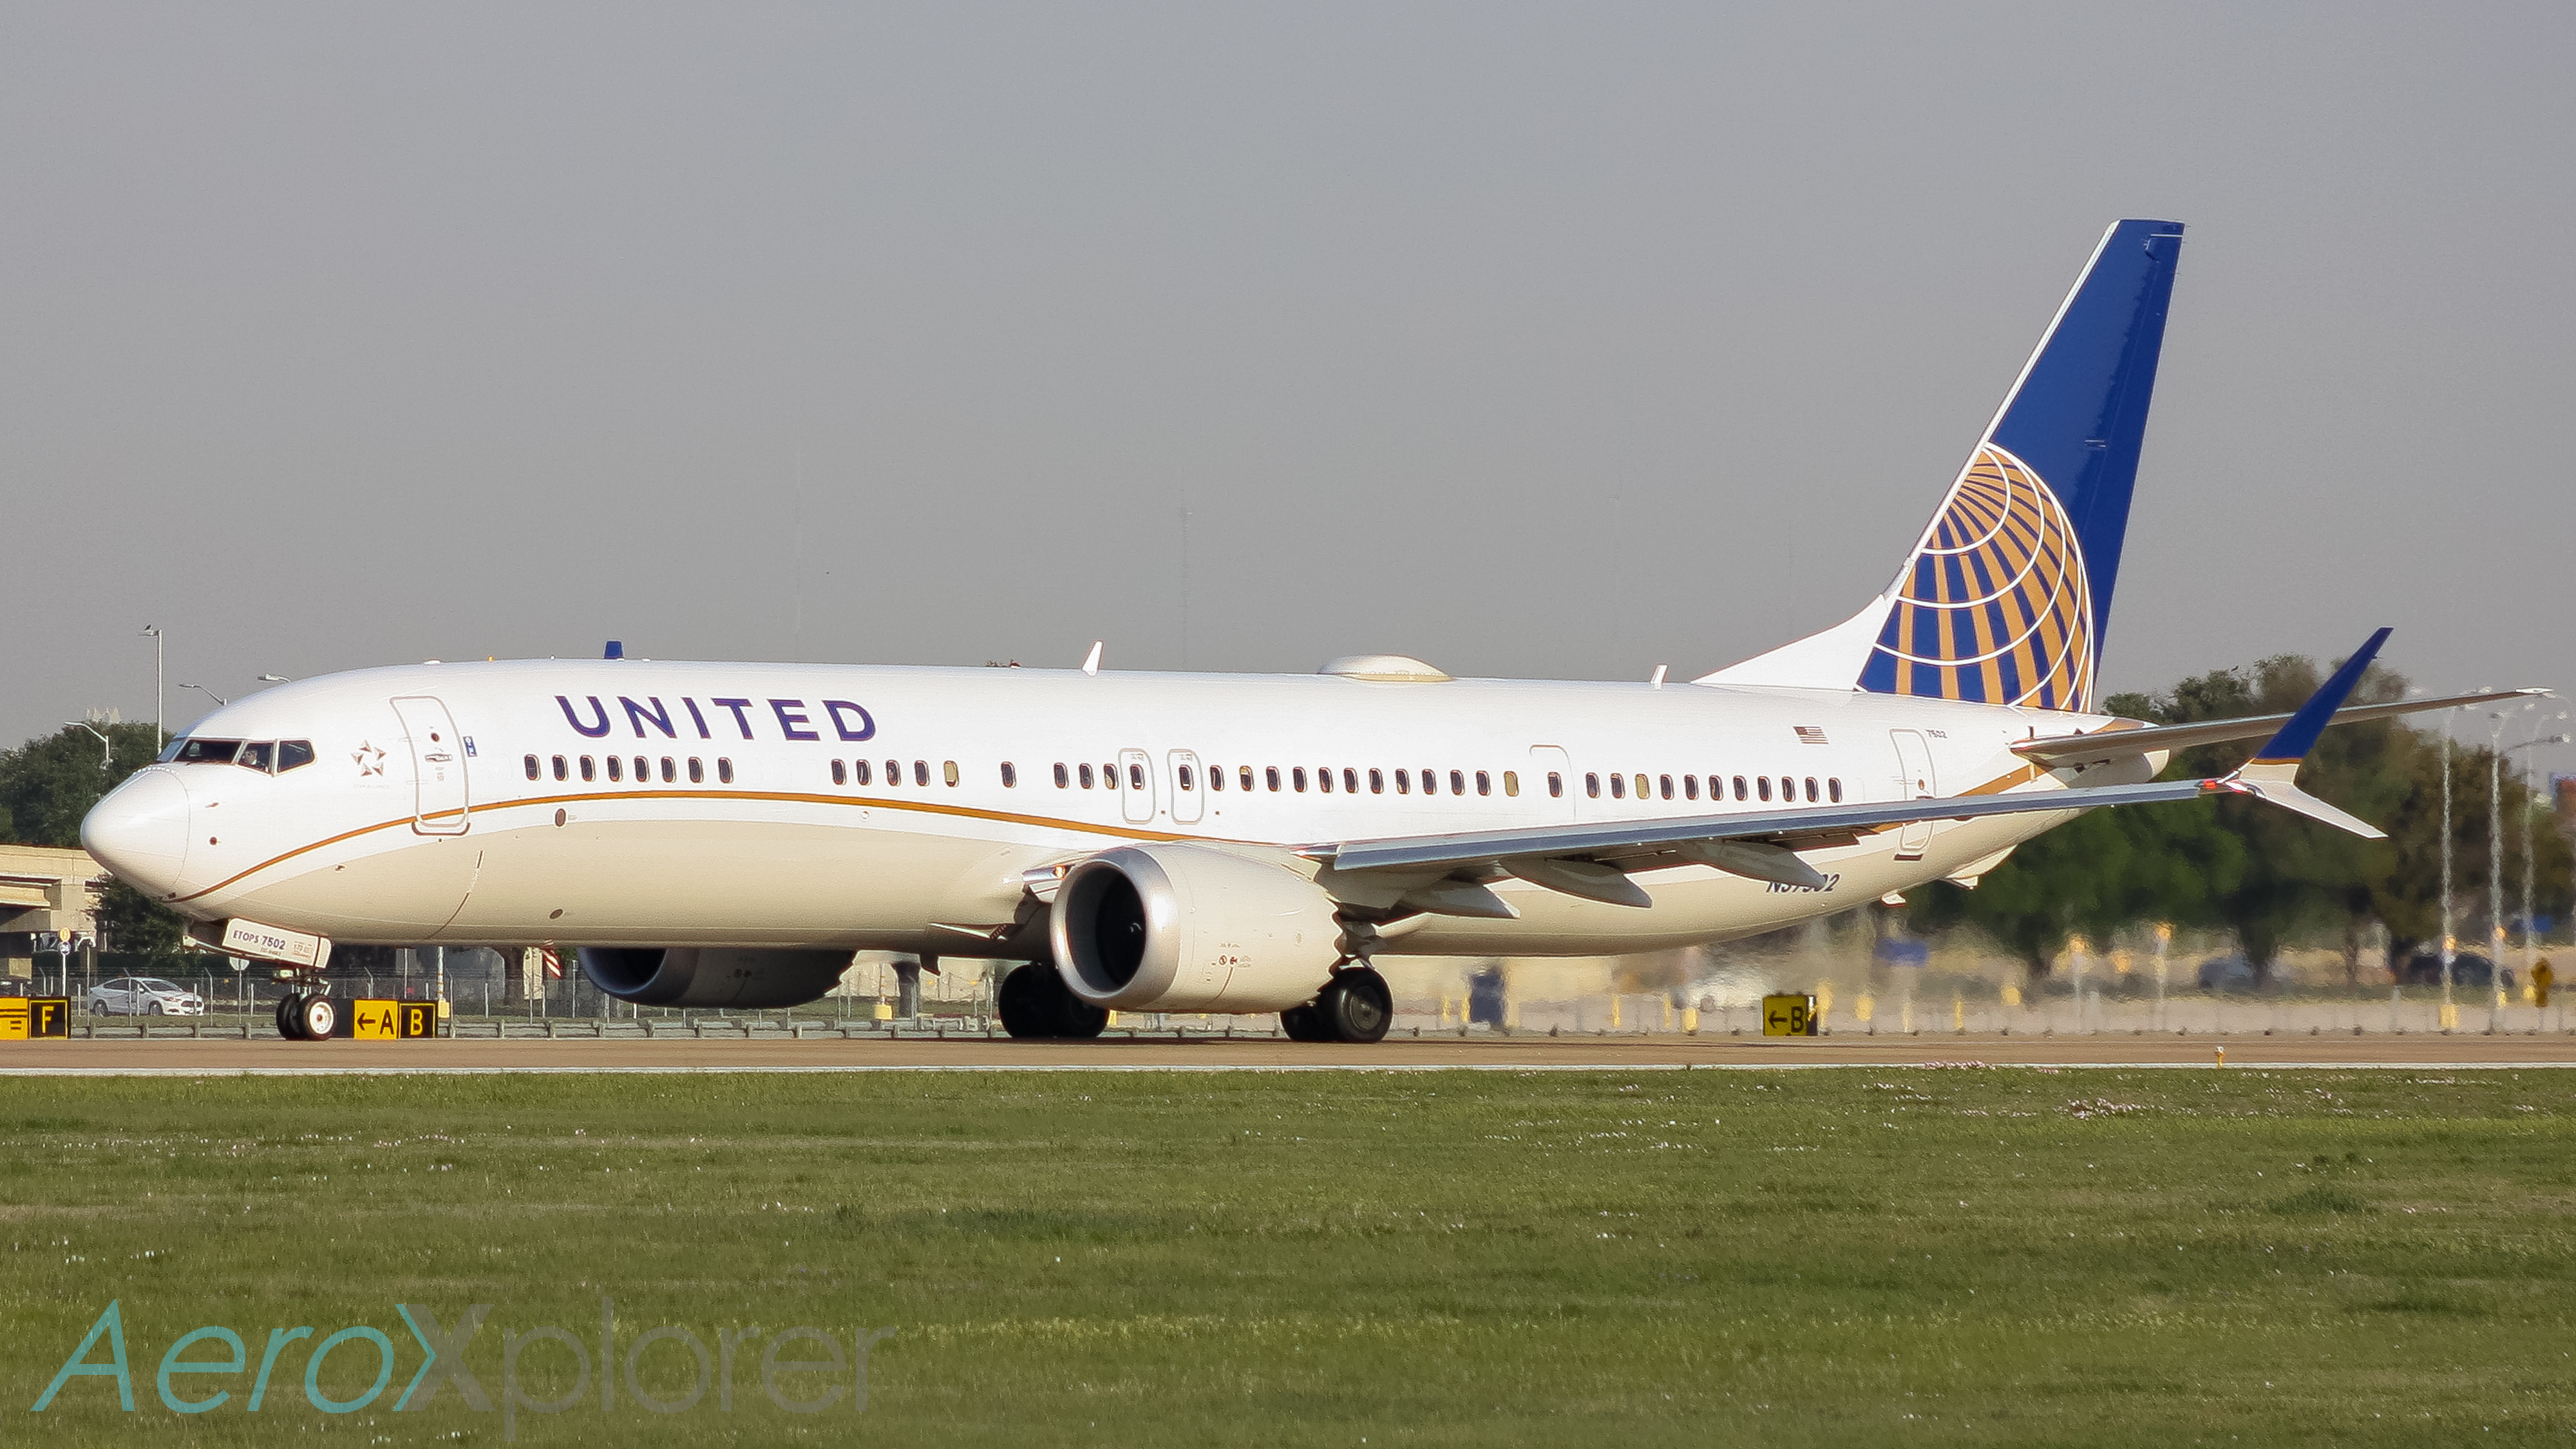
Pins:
<point x="733" y="976"/>
<point x="1187" y="928"/>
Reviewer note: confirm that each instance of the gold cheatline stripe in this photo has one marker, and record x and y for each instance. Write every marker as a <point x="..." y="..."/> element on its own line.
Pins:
<point x="963" y="811"/>
<point x="1996" y="785"/>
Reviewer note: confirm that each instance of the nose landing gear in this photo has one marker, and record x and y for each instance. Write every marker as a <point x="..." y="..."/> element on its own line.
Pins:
<point x="307" y="1016"/>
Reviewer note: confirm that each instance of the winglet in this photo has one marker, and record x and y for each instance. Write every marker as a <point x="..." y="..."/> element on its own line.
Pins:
<point x="2273" y="773"/>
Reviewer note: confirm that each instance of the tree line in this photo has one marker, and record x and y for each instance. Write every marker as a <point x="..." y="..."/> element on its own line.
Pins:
<point x="2269" y="878"/>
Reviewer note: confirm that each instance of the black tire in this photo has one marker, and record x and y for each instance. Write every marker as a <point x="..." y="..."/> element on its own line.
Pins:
<point x="1076" y="1018"/>
<point x="1356" y="1007"/>
<point x="286" y="1023"/>
<point x="1304" y="1023"/>
<point x="153" y="1010"/>
<point x="1027" y="1001"/>
<point x="318" y="1017"/>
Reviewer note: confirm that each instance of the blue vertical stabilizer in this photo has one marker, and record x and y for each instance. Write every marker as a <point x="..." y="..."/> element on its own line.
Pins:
<point x="2008" y="594"/>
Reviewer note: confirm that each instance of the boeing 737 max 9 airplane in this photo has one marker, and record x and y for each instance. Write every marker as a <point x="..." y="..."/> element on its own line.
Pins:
<point x="728" y="834"/>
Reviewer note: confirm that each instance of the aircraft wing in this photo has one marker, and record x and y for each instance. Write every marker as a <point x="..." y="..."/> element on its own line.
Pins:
<point x="1445" y="873"/>
<point x="2120" y="740"/>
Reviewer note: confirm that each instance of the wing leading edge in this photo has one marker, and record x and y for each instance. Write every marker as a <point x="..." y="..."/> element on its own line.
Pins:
<point x="1761" y="844"/>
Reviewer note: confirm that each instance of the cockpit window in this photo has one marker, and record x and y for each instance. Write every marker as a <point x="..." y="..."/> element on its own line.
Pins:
<point x="256" y="755"/>
<point x="291" y="753"/>
<point x="205" y="752"/>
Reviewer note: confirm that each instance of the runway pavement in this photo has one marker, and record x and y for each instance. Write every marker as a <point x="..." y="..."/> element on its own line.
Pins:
<point x="165" y="1056"/>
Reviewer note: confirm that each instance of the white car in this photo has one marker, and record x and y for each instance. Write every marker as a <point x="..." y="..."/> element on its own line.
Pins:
<point x="144" y="996"/>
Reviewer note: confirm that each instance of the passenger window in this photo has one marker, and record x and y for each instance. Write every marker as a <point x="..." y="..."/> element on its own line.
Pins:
<point x="1834" y="789"/>
<point x="643" y="770"/>
<point x="531" y="763"/>
<point x="1641" y="787"/>
<point x="1555" y="785"/>
<point x="616" y="768"/>
<point x="1739" y="787"/>
<point x="1216" y="777"/>
<point x="1350" y="780"/>
<point x="1404" y="782"/>
<point x="291" y="753"/>
<point x="1377" y="782"/>
<point x="670" y="771"/>
<point x="1184" y="773"/>
<point x="1010" y="776"/>
<point x="1457" y="782"/>
<point x="894" y="772"/>
<point x="560" y="772"/>
<point x="1511" y="782"/>
<point x="589" y="771"/>
<point x="1690" y="787"/>
<point x="1297" y="777"/>
<point x="1063" y="777"/>
<point x="840" y="773"/>
<point x="1484" y="783"/>
<point x="1788" y="788"/>
<point x="1765" y="782"/>
<point x="1271" y="774"/>
<point x="1811" y="789"/>
<point x="860" y="772"/>
<point x="921" y="772"/>
<point x="1324" y="779"/>
<point x="1086" y="777"/>
<point x="1666" y="782"/>
<point x="948" y="772"/>
<point x="1431" y="782"/>
<point x="1246" y="778"/>
<point x="1591" y="785"/>
<point x="1135" y="777"/>
<point x="724" y="770"/>
<point x="1618" y="787"/>
<point x="698" y="772"/>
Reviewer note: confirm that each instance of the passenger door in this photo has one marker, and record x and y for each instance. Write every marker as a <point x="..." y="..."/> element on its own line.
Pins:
<point x="1914" y="768"/>
<point x="1189" y="784"/>
<point x="1551" y="786"/>
<point x="1136" y="786"/>
<point x="438" y="766"/>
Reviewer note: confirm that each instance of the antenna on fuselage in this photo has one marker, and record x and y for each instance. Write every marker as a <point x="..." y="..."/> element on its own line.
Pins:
<point x="1091" y="661"/>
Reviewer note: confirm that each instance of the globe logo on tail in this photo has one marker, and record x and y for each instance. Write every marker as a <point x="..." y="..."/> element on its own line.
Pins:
<point x="1995" y="606"/>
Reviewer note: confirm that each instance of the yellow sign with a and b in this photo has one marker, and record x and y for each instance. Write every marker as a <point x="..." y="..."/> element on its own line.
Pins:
<point x="381" y="1020"/>
<point x="1788" y="1016"/>
<point x="34" y="1018"/>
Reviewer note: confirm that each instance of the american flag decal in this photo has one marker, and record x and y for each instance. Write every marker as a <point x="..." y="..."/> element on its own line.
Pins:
<point x="1811" y="734"/>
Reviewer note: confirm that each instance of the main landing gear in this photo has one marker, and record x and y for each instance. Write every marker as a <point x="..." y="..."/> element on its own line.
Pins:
<point x="1355" y="1006"/>
<point x="307" y="1016"/>
<point x="1034" y="1002"/>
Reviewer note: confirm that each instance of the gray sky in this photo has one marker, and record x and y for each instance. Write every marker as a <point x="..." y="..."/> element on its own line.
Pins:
<point x="1538" y="340"/>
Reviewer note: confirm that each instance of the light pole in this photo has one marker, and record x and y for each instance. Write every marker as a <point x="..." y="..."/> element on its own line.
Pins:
<point x="219" y="700"/>
<point x="159" y="736"/>
<point x="107" y="758"/>
<point x="2449" y="942"/>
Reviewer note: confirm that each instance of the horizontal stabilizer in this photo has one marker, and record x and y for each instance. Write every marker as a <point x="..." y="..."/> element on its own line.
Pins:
<point x="2116" y="742"/>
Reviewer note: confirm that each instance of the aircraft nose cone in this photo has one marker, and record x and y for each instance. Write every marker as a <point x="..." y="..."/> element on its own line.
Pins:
<point x="140" y="831"/>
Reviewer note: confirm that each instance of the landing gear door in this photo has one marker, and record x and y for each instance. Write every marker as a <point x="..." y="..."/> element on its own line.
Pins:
<point x="438" y="766"/>
<point x="1914" y="769"/>
<point x="1136" y="786"/>
<point x="1189" y="786"/>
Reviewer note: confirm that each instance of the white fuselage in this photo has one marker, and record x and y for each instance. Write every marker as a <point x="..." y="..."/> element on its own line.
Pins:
<point x="724" y="823"/>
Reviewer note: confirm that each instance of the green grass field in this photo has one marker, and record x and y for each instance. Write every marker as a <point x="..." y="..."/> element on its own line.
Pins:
<point x="1827" y="1257"/>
